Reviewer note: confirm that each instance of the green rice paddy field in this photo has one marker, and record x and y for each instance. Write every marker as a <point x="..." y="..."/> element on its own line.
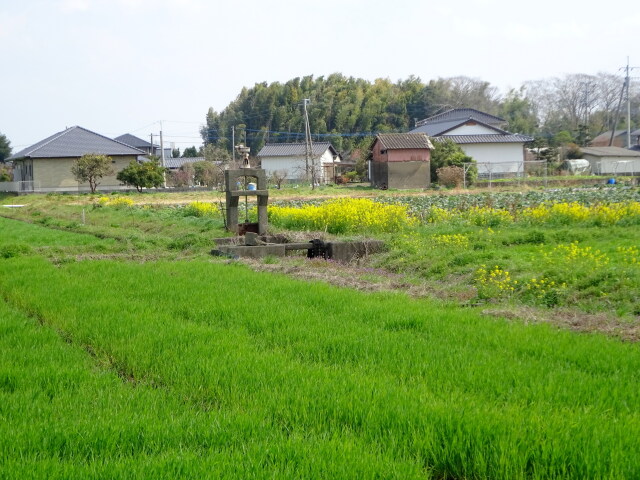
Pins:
<point x="195" y="367"/>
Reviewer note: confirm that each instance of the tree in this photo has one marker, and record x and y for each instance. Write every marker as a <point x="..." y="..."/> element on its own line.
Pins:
<point x="5" y="148"/>
<point x="207" y="173"/>
<point x="175" y="153"/>
<point x="90" y="168"/>
<point x="190" y="152"/>
<point x="142" y="175"/>
<point x="447" y="153"/>
<point x="211" y="153"/>
<point x="278" y="177"/>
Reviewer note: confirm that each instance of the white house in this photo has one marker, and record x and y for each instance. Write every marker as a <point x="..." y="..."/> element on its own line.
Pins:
<point x="496" y="151"/>
<point x="612" y="160"/>
<point x="290" y="160"/>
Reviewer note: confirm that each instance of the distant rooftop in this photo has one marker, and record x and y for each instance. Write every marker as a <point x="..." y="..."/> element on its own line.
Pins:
<point x="399" y="141"/>
<point x="294" y="149"/>
<point x="75" y="142"/>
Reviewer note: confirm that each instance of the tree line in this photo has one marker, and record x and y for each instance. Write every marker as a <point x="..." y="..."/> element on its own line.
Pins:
<point x="346" y="110"/>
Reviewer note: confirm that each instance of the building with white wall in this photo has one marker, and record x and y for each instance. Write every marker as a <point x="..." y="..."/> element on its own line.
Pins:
<point x="290" y="160"/>
<point x="496" y="151"/>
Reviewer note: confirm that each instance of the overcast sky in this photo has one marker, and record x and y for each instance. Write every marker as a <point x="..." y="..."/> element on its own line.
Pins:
<point x="122" y="66"/>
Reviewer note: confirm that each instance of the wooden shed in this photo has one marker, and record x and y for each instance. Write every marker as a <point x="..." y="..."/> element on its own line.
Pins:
<point x="400" y="160"/>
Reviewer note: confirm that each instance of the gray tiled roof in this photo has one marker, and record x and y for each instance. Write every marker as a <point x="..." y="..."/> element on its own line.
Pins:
<point x="134" y="141"/>
<point x="437" y="129"/>
<point x="400" y="141"/>
<point x="433" y="129"/>
<point x="462" y="114"/>
<point x="609" y="152"/>
<point x="174" y="163"/>
<point x="294" y="149"/>
<point x="485" y="138"/>
<point x="75" y="142"/>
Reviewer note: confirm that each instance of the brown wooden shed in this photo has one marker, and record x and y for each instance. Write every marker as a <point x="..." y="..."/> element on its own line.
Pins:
<point x="400" y="160"/>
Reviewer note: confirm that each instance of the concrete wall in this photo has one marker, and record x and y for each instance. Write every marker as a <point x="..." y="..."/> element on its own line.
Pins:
<point x="54" y="174"/>
<point x="409" y="175"/>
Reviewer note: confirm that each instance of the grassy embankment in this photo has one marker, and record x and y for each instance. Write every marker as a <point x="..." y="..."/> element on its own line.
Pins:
<point x="201" y="368"/>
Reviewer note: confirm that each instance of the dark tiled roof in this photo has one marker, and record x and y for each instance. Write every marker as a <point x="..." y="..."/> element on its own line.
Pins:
<point x="609" y="152"/>
<point x="433" y="129"/>
<point x="400" y="141"/>
<point x="134" y="141"/>
<point x="486" y="138"/>
<point x="75" y="142"/>
<point x="294" y="149"/>
<point x="462" y="114"/>
<point x="174" y="163"/>
<point x="437" y="129"/>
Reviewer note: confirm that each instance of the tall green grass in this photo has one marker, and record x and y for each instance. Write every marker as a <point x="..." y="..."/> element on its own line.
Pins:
<point x="306" y="380"/>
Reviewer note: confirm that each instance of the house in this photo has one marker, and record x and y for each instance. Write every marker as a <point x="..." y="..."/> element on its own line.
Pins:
<point x="290" y="159"/>
<point x="400" y="160"/>
<point x="481" y="136"/>
<point x="612" y="160"/>
<point x="174" y="163"/>
<point x="619" y="139"/>
<point x="46" y="165"/>
<point x="139" y="143"/>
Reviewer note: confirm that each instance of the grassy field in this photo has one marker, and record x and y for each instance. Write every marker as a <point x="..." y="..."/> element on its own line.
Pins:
<point x="126" y="351"/>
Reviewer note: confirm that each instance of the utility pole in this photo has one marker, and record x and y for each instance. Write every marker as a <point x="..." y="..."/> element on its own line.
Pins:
<point x="151" y="151"/>
<point x="625" y="86"/>
<point x="308" y="147"/>
<point x="164" y="175"/>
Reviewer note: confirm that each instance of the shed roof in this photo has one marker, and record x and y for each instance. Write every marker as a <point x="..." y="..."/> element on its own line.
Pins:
<point x="294" y="149"/>
<point x="610" y="152"/>
<point x="75" y="142"/>
<point x="401" y="141"/>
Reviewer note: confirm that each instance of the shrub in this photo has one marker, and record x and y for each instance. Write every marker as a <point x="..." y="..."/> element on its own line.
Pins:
<point x="451" y="176"/>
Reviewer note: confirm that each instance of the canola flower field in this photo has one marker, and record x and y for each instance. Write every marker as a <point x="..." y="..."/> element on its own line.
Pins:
<point x="560" y="249"/>
<point x="194" y="367"/>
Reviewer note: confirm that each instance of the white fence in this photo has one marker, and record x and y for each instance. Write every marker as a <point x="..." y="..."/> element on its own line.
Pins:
<point x="519" y="170"/>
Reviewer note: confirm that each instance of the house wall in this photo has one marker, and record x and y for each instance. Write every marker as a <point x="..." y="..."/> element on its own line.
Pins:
<point x="503" y="157"/>
<point x="409" y="155"/>
<point x="296" y="166"/>
<point x="614" y="165"/>
<point x="54" y="174"/>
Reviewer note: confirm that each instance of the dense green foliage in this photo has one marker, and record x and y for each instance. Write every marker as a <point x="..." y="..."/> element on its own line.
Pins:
<point x="190" y="370"/>
<point x="347" y="110"/>
<point x="446" y="153"/>
<point x="142" y="175"/>
<point x="5" y="148"/>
